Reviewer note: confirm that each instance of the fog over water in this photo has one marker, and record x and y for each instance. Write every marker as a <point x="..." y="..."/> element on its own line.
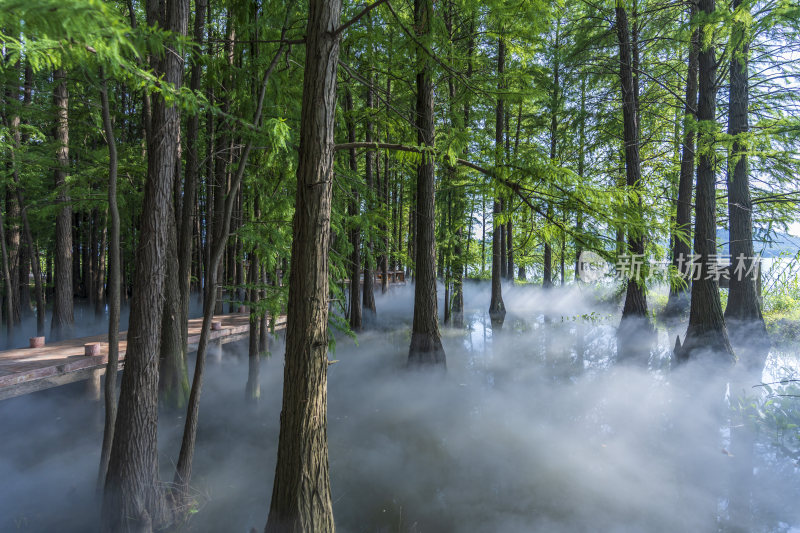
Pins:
<point x="532" y="428"/>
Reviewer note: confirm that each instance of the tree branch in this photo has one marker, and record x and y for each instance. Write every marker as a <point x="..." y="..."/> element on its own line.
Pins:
<point x="355" y="19"/>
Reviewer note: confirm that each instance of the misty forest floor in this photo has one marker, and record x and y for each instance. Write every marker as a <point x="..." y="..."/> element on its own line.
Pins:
<point x="533" y="428"/>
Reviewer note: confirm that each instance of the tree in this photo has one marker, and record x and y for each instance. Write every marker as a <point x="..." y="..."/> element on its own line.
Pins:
<point x="706" y="331"/>
<point x="497" y="308"/>
<point x="113" y="288"/>
<point x="634" y="311"/>
<point x="635" y="296"/>
<point x="301" y="494"/>
<point x="426" y="343"/>
<point x="62" y="302"/>
<point x="133" y="499"/>
<point x="355" y="232"/>
<point x="743" y="303"/>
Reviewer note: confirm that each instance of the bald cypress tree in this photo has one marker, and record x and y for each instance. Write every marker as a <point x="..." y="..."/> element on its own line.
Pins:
<point x="426" y="343"/>
<point x="706" y="331"/>
<point x="301" y="493"/>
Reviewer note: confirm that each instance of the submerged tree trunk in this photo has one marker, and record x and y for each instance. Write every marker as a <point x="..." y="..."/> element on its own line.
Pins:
<point x="459" y="261"/>
<point x="706" y="331"/>
<point x="62" y="302"/>
<point x="581" y="174"/>
<point x="678" y="301"/>
<point x="547" y="269"/>
<point x="301" y="495"/>
<point x="426" y="344"/>
<point x="134" y="500"/>
<point x="253" y="388"/>
<point x="497" y="308"/>
<point x="636" y="295"/>
<point x="743" y="312"/>
<point x="635" y="329"/>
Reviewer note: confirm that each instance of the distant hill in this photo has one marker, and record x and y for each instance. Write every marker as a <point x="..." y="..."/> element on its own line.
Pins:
<point x="768" y="246"/>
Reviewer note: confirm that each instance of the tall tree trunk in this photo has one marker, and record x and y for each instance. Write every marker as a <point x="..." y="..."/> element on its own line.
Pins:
<point x="743" y="303"/>
<point x="263" y="329"/>
<point x="100" y="281"/>
<point x="7" y="285"/>
<point x="133" y="499"/>
<point x="24" y="272"/>
<point x="510" y="243"/>
<point x="62" y="301"/>
<point x="636" y="294"/>
<point x="497" y="308"/>
<point x="355" y="232"/>
<point x="173" y="376"/>
<point x="369" y="176"/>
<point x="387" y="206"/>
<point x="113" y="288"/>
<point x="706" y="331"/>
<point x="14" y="245"/>
<point x="301" y="495"/>
<point x="253" y="388"/>
<point x="581" y="173"/>
<point x="678" y="301"/>
<point x="501" y="229"/>
<point x="186" y="235"/>
<point x="426" y="344"/>
<point x="30" y="245"/>
<point x="547" y="270"/>
<point x="223" y="163"/>
<point x="459" y="265"/>
<point x="630" y="341"/>
<point x="33" y="258"/>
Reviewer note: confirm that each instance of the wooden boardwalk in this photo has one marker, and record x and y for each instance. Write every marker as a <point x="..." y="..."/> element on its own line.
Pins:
<point x="26" y="370"/>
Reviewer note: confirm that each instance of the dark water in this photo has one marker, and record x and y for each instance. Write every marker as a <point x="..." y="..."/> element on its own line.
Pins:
<point x="533" y="428"/>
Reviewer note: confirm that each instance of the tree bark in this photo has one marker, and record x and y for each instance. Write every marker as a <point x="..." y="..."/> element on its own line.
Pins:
<point x="301" y="495"/>
<point x="253" y="387"/>
<point x="133" y="499"/>
<point x="510" y="243"/>
<point x="9" y="292"/>
<point x="426" y="344"/>
<point x="636" y="293"/>
<point x="743" y="312"/>
<point x="14" y="246"/>
<point x="706" y="332"/>
<point x="547" y="270"/>
<point x="173" y="377"/>
<point x="100" y="278"/>
<point x="497" y="308"/>
<point x="62" y="302"/>
<point x="581" y="173"/>
<point x="113" y="288"/>
<point x="459" y="266"/>
<point x="355" y="231"/>
<point x="369" y="176"/>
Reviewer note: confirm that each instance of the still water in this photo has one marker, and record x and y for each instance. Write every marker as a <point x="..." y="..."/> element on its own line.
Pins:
<point x="533" y="428"/>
